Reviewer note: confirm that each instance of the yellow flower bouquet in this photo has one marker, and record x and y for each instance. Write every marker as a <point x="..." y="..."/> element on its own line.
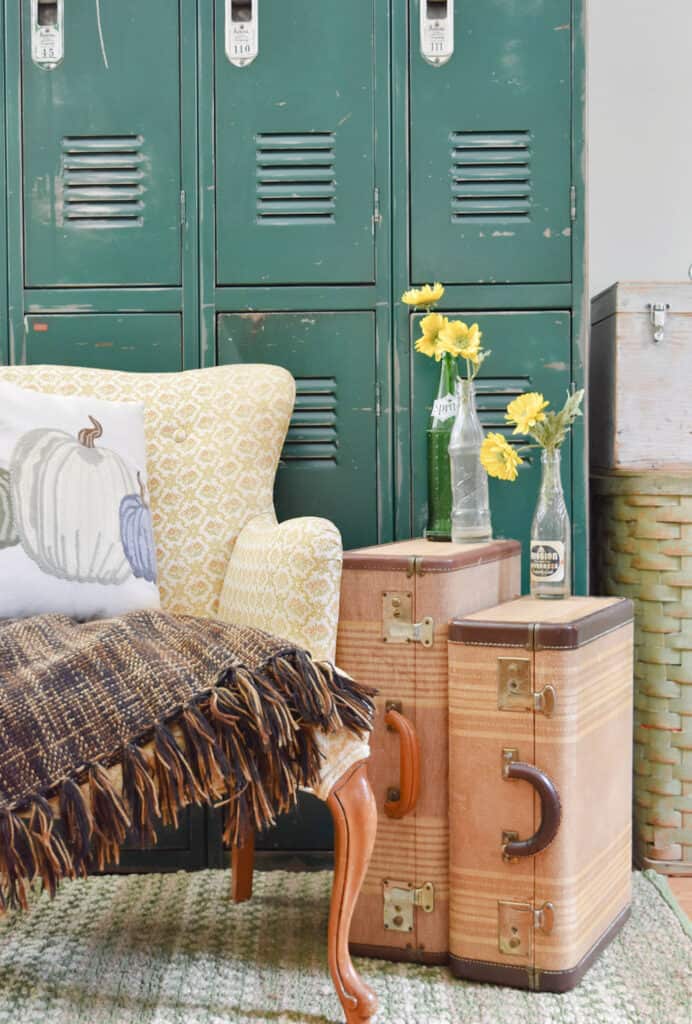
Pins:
<point x="550" y="548"/>
<point x="457" y="488"/>
<point x="528" y="416"/>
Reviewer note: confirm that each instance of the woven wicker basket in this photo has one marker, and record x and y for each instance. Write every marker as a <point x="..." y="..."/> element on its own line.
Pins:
<point x="643" y="550"/>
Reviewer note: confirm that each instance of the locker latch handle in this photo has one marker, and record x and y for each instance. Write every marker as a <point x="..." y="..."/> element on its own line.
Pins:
<point x="436" y="31"/>
<point x="242" y="31"/>
<point x="47" y="33"/>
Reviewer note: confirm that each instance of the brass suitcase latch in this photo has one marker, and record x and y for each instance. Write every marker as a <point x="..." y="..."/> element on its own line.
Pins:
<point x="515" y="688"/>
<point x="517" y="923"/>
<point x="398" y="626"/>
<point x="401" y="899"/>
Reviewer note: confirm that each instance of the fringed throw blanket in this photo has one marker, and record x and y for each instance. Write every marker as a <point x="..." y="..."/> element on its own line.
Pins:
<point x="226" y="713"/>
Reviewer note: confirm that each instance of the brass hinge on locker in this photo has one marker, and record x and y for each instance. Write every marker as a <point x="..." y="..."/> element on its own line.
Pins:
<point x="573" y="203"/>
<point x="401" y="899"/>
<point x="516" y="924"/>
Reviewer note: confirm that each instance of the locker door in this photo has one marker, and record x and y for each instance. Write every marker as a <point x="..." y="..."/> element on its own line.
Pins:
<point x="530" y="352"/>
<point x="295" y="145"/>
<point x="136" y="342"/>
<point x="329" y="461"/>
<point x="490" y="144"/>
<point x="101" y="145"/>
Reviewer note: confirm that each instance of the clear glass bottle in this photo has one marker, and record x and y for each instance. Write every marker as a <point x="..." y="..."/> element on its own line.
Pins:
<point x="551" y="555"/>
<point x="439" y="485"/>
<point x="470" y="503"/>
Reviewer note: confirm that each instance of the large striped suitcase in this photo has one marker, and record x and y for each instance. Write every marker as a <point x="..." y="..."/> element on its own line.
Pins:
<point x="396" y="603"/>
<point x="540" y="788"/>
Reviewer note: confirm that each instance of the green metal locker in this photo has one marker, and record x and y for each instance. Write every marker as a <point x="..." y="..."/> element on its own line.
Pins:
<point x="201" y="181"/>
<point x="329" y="461"/>
<point x="490" y="143"/>
<point x="138" y="342"/>
<point x="101" y="146"/>
<point x="295" y="145"/>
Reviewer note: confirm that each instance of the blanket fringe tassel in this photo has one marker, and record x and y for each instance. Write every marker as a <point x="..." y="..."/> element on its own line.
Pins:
<point x="249" y="744"/>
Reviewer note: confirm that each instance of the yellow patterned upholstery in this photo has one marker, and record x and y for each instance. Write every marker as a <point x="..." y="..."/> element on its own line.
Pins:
<point x="285" y="579"/>
<point x="213" y="443"/>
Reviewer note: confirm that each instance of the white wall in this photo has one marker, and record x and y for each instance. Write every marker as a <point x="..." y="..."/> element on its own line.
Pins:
<point x="640" y="140"/>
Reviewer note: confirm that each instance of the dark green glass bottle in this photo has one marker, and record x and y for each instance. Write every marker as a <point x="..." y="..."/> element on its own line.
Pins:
<point x="444" y="411"/>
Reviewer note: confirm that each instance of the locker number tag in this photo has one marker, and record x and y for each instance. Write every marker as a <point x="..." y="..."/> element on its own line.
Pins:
<point x="47" y="36"/>
<point x="436" y="31"/>
<point x="242" y="32"/>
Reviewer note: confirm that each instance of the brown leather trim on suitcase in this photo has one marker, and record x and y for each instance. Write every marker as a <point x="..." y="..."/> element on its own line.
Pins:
<point x="377" y="558"/>
<point x="409" y="956"/>
<point x="570" y="635"/>
<point x="541" y="636"/>
<point x="536" y="980"/>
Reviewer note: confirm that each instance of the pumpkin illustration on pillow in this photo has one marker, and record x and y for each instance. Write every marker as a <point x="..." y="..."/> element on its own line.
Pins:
<point x="66" y="497"/>
<point x="8" y="533"/>
<point x="137" y="534"/>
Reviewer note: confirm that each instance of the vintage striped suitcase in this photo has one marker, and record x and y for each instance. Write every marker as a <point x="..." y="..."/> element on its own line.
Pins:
<point x="540" y="788"/>
<point x="396" y="603"/>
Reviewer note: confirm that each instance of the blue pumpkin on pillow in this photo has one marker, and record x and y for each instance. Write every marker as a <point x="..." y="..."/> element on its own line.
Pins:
<point x="137" y="534"/>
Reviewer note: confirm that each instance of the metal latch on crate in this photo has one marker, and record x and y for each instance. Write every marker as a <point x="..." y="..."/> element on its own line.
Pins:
<point x="398" y="626"/>
<point x="517" y="923"/>
<point x="657" y="313"/>
<point x="515" y="690"/>
<point x="401" y="899"/>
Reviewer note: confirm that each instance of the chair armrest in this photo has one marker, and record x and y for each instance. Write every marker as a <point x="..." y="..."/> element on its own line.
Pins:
<point x="285" y="578"/>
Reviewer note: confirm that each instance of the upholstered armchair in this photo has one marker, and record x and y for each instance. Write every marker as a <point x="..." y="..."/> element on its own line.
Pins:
<point x="213" y="443"/>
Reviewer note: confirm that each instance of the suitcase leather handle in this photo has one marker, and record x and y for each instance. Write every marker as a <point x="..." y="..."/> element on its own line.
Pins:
<point x="551" y="810"/>
<point x="409" y="765"/>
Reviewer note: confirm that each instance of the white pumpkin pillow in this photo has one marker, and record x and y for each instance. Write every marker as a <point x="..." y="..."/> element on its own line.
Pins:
<point x="76" y="532"/>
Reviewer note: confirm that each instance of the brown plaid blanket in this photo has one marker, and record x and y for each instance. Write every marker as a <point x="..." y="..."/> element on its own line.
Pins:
<point x="114" y="725"/>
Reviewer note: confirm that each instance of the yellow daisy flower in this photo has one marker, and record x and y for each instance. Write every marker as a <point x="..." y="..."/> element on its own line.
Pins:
<point x="453" y="336"/>
<point x="498" y="458"/>
<point x="472" y="346"/>
<point x="425" y="296"/>
<point x="526" y="411"/>
<point x="432" y="326"/>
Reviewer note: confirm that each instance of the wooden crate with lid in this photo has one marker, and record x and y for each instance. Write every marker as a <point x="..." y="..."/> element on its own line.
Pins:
<point x="640" y="368"/>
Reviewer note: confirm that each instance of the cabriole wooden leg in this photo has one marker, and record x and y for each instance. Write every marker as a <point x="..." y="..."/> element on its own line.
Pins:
<point x="352" y="804"/>
<point x="242" y="868"/>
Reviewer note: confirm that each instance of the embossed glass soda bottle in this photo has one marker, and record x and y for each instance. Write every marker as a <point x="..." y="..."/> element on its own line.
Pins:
<point x="470" y="503"/>
<point x="551" y="556"/>
<point x="444" y="411"/>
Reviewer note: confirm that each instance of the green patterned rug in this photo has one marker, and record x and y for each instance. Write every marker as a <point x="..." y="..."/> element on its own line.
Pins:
<point x="171" y="949"/>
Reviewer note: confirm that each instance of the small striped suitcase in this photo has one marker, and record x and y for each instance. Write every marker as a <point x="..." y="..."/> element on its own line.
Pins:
<point x="396" y="603"/>
<point x="540" y="788"/>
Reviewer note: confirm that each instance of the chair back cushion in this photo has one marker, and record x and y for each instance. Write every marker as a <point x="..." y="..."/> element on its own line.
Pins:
<point x="213" y="443"/>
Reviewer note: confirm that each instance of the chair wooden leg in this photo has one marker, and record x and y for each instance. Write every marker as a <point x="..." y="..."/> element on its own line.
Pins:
<point x="242" y="868"/>
<point x="352" y="804"/>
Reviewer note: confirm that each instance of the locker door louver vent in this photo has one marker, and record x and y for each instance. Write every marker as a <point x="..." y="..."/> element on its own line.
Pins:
<point x="492" y="398"/>
<point x="491" y="176"/>
<point x="102" y="177"/>
<point x="312" y="435"/>
<point x="295" y="178"/>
